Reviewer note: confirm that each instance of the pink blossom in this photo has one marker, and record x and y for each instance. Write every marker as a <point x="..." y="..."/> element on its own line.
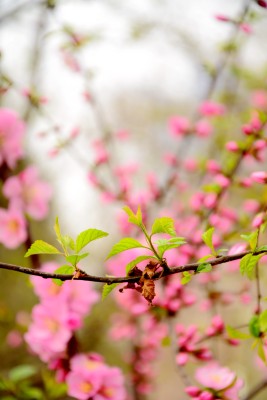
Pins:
<point x="28" y="193"/>
<point x="211" y="108"/>
<point x="14" y="338"/>
<point x="178" y="126"/>
<point x="13" y="228"/>
<point x="203" y="128"/>
<point x="170" y="159"/>
<point x="259" y="99"/>
<point x="112" y="385"/>
<point x="246" y="28"/>
<point x="232" y="146"/>
<point x="11" y="134"/>
<point x="259" y="177"/>
<point x="90" y="377"/>
<point x="215" y="377"/>
<point x="49" y="332"/>
<point x="222" y="18"/>
<point x="83" y="387"/>
<point x="213" y="166"/>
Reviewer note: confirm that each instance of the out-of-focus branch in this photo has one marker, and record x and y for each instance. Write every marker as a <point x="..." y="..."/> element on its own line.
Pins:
<point x="256" y="390"/>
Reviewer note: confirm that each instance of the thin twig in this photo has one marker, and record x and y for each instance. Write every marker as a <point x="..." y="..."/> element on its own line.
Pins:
<point x="257" y="389"/>
<point x="109" y="280"/>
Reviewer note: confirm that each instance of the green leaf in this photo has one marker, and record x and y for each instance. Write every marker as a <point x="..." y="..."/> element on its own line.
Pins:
<point x="236" y="334"/>
<point x="135" y="219"/>
<point x="107" y="289"/>
<point x="163" y="225"/>
<point x="67" y="241"/>
<point x="136" y="261"/>
<point x="87" y="236"/>
<point x="205" y="258"/>
<point x="261" y="352"/>
<point x="186" y="278"/>
<point x="75" y="258"/>
<point x="207" y="239"/>
<point x="166" y="341"/>
<point x="57" y="230"/>
<point x="252" y="239"/>
<point x="254" y="326"/>
<point x="41" y="247"/>
<point x="33" y="393"/>
<point x="123" y="245"/>
<point x="262" y="248"/>
<point x="167" y="244"/>
<point x="248" y="263"/>
<point x="22" y="372"/>
<point x="212" y="188"/>
<point x="263" y="321"/>
<point x="64" y="270"/>
<point x="204" y="267"/>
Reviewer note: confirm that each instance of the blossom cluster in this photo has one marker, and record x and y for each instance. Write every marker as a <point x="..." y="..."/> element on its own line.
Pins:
<point x="27" y="195"/>
<point x="51" y="335"/>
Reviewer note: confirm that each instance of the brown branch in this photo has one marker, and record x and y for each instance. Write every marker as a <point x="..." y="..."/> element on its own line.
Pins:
<point x="257" y="389"/>
<point x="120" y="279"/>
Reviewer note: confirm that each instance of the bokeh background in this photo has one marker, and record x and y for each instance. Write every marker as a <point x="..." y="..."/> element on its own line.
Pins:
<point x="141" y="62"/>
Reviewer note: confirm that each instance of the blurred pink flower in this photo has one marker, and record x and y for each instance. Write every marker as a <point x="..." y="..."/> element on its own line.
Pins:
<point x="13" y="230"/>
<point x="211" y="108"/>
<point x="90" y="377"/>
<point x="218" y="378"/>
<point x="11" y="134"/>
<point x="178" y="126"/>
<point x="49" y="332"/>
<point x="28" y="193"/>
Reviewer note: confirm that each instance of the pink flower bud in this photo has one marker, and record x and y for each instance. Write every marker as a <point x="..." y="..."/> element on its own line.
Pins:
<point x="206" y="396"/>
<point x="258" y="220"/>
<point x="259" y="177"/>
<point x="192" y="391"/>
<point x="182" y="358"/>
<point x="246" y="28"/>
<point x="203" y="128"/>
<point x="222" y="18"/>
<point x="232" y="146"/>
<point x="178" y="126"/>
<point x="247" y="129"/>
<point x="222" y="180"/>
<point x="262" y="3"/>
<point x="210" y="108"/>
<point x="213" y="166"/>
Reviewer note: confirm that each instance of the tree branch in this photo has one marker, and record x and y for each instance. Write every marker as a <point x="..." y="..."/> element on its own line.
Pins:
<point x="109" y="280"/>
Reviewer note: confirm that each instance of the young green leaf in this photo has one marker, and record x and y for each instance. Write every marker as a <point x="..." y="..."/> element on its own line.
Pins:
<point x="67" y="242"/>
<point x="186" y="278"/>
<point x="263" y="321"/>
<point x="207" y="239"/>
<point x="204" y="267"/>
<point x="41" y="247"/>
<point x="107" y="289"/>
<point x="252" y="239"/>
<point x="87" y="236"/>
<point x="254" y="326"/>
<point x="236" y="334"/>
<point x="167" y="244"/>
<point x="64" y="270"/>
<point x="261" y="352"/>
<point x="21" y="372"/>
<point x="123" y="245"/>
<point x="163" y="225"/>
<point x="57" y="230"/>
<point x="136" y="261"/>
<point x="135" y="219"/>
<point x="75" y="258"/>
<point x="262" y="248"/>
<point x="248" y="264"/>
<point x="204" y="258"/>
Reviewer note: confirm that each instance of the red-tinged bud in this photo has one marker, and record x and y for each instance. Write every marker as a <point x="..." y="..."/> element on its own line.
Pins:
<point x="222" y="18"/>
<point x="259" y="177"/>
<point x="262" y="3"/>
<point x="192" y="391"/>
